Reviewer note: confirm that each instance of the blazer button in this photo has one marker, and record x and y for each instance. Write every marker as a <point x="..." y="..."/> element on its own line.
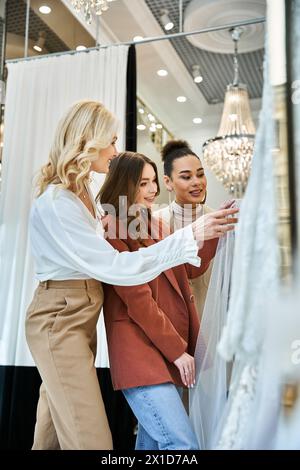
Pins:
<point x="192" y="298"/>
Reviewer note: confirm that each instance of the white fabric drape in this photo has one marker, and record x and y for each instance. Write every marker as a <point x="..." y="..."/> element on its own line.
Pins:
<point x="208" y="397"/>
<point x="38" y="93"/>
<point x="255" y="281"/>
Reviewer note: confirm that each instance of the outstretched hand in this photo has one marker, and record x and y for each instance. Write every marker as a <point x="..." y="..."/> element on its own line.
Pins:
<point x="214" y="225"/>
<point x="229" y="204"/>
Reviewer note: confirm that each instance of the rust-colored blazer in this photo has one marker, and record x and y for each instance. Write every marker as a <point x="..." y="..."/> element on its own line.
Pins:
<point x="149" y="326"/>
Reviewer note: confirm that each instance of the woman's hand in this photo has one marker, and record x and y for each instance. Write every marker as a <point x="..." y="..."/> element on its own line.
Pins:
<point x="186" y="366"/>
<point x="214" y="224"/>
<point x="227" y="204"/>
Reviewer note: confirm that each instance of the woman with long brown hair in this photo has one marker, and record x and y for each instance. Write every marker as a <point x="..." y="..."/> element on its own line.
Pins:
<point x="151" y="328"/>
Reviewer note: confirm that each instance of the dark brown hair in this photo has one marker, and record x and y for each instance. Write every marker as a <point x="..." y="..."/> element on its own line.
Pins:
<point x="123" y="179"/>
<point x="171" y="151"/>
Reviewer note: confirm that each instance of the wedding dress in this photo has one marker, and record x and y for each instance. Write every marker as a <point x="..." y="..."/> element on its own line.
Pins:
<point x="276" y="421"/>
<point x="255" y="279"/>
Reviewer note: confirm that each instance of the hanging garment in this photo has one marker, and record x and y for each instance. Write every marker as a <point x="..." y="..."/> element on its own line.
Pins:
<point x="208" y="397"/>
<point x="255" y="279"/>
<point x="276" y="421"/>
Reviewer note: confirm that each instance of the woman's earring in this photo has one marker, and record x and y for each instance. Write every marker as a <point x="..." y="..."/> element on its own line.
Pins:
<point x="204" y="199"/>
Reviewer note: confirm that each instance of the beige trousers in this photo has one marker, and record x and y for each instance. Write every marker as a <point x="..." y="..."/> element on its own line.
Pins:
<point x="61" y="334"/>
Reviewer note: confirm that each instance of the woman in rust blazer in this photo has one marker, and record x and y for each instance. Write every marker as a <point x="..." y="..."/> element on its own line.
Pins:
<point x="151" y="328"/>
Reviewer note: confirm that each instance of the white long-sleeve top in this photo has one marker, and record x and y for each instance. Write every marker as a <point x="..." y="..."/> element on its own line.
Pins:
<point x="68" y="243"/>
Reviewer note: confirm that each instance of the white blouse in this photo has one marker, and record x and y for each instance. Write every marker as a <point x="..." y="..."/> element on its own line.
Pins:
<point x="68" y="243"/>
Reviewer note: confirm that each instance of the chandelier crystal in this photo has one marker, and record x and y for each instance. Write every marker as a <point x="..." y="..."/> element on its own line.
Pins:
<point x="229" y="154"/>
<point x="91" y="6"/>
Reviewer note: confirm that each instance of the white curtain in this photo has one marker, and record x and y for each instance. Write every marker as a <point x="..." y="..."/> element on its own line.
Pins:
<point x="38" y="93"/>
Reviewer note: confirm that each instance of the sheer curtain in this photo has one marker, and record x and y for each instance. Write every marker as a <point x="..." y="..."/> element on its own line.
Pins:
<point x="208" y="397"/>
<point x="38" y="93"/>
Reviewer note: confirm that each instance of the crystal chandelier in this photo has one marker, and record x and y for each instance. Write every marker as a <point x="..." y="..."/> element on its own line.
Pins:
<point x="229" y="155"/>
<point x="91" y="6"/>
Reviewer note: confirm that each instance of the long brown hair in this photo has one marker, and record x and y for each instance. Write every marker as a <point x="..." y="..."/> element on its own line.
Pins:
<point x="123" y="179"/>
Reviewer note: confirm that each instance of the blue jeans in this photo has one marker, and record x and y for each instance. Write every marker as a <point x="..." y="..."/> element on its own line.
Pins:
<point x="163" y="421"/>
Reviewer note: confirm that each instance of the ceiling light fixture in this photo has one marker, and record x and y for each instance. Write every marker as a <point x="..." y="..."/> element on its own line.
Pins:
<point x="162" y="73"/>
<point x="80" y="48"/>
<point x="138" y="38"/>
<point x="165" y="20"/>
<point x="39" y="45"/>
<point x="91" y="6"/>
<point x="197" y="120"/>
<point x="229" y="154"/>
<point x="45" y="9"/>
<point x="181" y="99"/>
<point x="196" y="74"/>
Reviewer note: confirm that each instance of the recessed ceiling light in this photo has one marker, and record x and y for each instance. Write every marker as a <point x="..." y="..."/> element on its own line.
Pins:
<point x="45" y="10"/>
<point x="141" y="127"/>
<point x="197" y="120"/>
<point x="37" y="48"/>
<point x="80" y="48"/>
<point x="151" y="117"/>
<point x="159" y="126"/>
<point x="162" y="73"/>
<point x="181" y="99"/>
<point x="138" y="38"/>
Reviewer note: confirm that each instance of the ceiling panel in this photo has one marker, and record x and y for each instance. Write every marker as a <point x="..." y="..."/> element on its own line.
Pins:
<point x="16" y="20"/>
<point x="216" y="69"/>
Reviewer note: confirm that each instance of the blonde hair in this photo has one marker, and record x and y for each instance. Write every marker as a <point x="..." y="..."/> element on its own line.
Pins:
<point x="85" y="129"/>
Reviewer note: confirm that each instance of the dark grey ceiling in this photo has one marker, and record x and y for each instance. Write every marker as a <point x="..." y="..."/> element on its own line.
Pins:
<point x="216" y="69"/>
<point x="15" y="23"/>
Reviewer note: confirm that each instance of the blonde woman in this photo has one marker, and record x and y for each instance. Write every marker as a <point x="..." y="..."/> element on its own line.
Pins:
<point x="184" y="176"/>
<point x="72" y="258"/>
